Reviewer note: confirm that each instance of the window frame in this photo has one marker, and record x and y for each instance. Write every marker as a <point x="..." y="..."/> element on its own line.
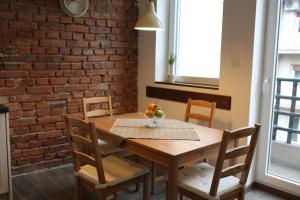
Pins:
<point x="174" y="24"/>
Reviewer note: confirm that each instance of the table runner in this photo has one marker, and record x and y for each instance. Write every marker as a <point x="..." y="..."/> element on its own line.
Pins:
<point x="168" y="129"/>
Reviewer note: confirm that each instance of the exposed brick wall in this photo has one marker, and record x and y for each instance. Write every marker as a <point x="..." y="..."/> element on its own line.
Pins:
<point x="49" y="61"/>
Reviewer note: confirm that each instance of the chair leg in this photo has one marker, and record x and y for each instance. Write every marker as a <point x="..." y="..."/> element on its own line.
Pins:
<point x="137" y="160"/>
<point x="153" y="176"/>
<point x="101" y="196"/>
<point x="137" y="187"/>
<point x="242" y="195"/>
<point x="79" y="190"/>
<point x="145" y="188"/>
<point x="181" y="196"/>
<point x="166" y="189"/>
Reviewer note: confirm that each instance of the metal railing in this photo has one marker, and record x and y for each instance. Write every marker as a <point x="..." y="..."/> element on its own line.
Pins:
<point x="293" y="116"/>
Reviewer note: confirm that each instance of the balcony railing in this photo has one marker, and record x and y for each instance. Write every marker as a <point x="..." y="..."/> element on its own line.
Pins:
<point x="291" y="113"/>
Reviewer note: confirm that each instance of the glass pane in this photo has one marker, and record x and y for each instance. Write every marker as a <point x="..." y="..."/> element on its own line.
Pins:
<point x="199" y="41"/>
<point x="285" y="143"/>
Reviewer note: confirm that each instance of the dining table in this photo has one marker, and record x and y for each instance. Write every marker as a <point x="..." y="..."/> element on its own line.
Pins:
<point x="169" y="154"/>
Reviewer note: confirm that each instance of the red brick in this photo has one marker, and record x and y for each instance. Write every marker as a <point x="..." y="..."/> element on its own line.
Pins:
<point x="23" y="161"/>
<point x="35" y="159"/>
<point x="26" y="114"/>
<point x="24" y="51"/>
<point x="39" y="66"/>
<point x="23" y="122"/>
<point x="52" y="43"/>
<point x="39" y="18"/>
<point x="10" y="83"/>
<point x="52" y="18"/>
<point x="50" y="156"/>
<point x="74" y="58"/>
<point x="12" y="91"/>
<point x="32" y="152"/>
<point x="25" y="66"/>
<point x="42" y="81"/>
<point x="36" y="128"/>
<point x="27" y="16"/>
<point x="66" y="35"/>
<point x="49" y="127"/>
<point x="90" y="22"/>
<point x="58" y="81"/>
<point x="60" y="125"/>
<point x="50" y="134"/>
<point x="53" y="34"/>
<point x="22" y="145"/>
<point x="25" y="25"/>
<point x="7" y="15"/>
<point x="97" y="58"/>
<point x="21" y="130"/>
<point x="72" y="43"/>
<point x="39" y="34"/>
<point x="50" y="119"/>
<point x="37" y="50"/>
<point x="15" y="115"/>
<point x="41" y="74"/>
<point x="52" y="50"/>
<point x="35" y="144"/>
<point x="78" y="20"/>
<point x="77" y="28"/>
<point x="13" y="74"/>
<point x="42" y="105"/>
<point x="51" y="26"/>
<point x="28" y="106"/>
<point x="66" y="20"/>
<point x="39" y="90"/>
<point x="42" y="112"/>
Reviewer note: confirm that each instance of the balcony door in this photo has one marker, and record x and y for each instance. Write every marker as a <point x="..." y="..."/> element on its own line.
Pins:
<point x="279" y="149"/>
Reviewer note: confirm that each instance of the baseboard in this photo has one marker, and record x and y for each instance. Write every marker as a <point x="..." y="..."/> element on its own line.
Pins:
<point x="275" y="191"/>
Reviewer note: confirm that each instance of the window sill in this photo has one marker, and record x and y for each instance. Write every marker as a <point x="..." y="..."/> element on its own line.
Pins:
<point x="211" y="87"/>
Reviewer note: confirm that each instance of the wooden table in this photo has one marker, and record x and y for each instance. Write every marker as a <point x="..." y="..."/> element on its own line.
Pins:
<point x="170" y="154"/>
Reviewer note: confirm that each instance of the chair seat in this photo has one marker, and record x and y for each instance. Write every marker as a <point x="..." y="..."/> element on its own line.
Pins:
<point x="116" y="170"/>
<point x="107" y="149"/>
<point x="198" y="178"/>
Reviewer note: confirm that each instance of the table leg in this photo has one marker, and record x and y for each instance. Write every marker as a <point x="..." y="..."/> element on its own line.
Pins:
<point x="172" y="181"/>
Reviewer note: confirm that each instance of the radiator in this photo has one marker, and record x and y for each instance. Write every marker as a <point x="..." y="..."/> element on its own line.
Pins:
<point x="5" y="167"/>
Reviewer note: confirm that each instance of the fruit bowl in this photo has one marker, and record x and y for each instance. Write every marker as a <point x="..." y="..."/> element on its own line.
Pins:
<point x="154" y="113"/>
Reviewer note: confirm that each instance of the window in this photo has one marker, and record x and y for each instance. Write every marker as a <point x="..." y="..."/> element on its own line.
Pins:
<point x="195" y="37"/>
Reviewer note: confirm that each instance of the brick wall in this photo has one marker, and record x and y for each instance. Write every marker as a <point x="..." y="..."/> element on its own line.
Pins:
<point x="49" y="61"/>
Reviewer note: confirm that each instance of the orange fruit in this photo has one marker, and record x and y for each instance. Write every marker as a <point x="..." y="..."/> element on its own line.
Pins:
<point x="151" y="106"/>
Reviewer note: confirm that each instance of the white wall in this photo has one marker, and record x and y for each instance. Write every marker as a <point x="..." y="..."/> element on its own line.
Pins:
<point x="237" y="47"/>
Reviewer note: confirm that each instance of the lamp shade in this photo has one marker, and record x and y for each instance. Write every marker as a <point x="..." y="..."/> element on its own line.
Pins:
<point x="149" y="21"/>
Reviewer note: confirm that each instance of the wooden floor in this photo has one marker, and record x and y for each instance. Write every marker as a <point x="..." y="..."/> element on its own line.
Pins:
<point x="58" y="184"/>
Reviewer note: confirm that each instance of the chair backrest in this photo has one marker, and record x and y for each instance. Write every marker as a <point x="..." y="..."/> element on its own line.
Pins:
<point x="226" y="154"/>
<point x="201" y="117"/>
<point x="98" y="112"/>
<point x="84" y="145"/>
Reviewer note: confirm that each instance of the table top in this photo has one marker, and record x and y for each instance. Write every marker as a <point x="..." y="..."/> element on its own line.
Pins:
<point x="208" y="137"/>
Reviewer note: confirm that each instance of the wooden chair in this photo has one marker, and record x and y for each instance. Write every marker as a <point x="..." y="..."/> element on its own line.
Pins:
<point x="201" y="117"/>
<point x="188" y="115"/>
<point x="106" y="176"/>
<point x="99" y="112"/>
<point x="203" y="181"/>
<point x="106" y="148"/>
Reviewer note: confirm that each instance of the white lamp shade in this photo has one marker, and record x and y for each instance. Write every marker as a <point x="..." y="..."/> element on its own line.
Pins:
<point x="149" y="21"/>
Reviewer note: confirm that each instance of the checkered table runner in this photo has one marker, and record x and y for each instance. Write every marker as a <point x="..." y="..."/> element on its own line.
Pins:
<point x="168" y="129"/>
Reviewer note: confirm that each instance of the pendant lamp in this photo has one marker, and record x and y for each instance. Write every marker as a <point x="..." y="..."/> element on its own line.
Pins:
<point x="149" y="21"/>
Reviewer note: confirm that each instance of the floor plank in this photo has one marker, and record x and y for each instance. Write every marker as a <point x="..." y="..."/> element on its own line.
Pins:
<point x="27" y="190"/>
<point x="63" y="178"/>
<point x="50" y="187"/>
<point x="58" y="184"/>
